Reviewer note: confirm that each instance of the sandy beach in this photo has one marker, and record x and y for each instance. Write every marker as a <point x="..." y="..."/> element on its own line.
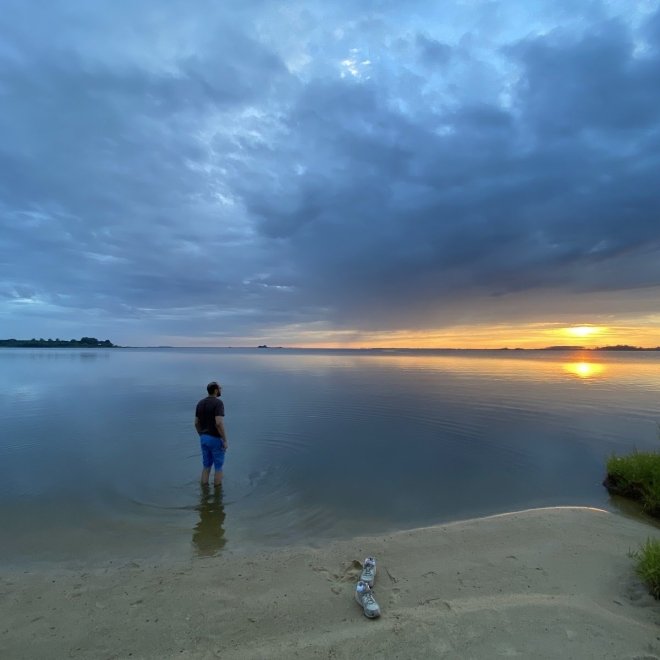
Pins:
<point x="549" y="583"/>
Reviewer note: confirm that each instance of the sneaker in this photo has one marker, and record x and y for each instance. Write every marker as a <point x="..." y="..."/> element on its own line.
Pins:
<point x="365" y="598"/>
<point x="369" y="571"/>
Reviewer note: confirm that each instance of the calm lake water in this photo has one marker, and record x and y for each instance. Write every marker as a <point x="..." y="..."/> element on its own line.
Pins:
<point x="99" y="458"/>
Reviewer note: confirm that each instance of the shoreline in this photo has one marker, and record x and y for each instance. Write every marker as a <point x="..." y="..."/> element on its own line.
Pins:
<point x="537" y="583"/>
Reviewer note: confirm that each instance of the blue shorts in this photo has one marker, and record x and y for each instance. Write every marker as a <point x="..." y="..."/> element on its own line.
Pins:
<point x="212" y="451"/>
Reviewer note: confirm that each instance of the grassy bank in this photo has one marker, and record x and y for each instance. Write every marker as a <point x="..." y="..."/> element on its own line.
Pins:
<point x="648" y="565"/>
<point x="638" y="477"/>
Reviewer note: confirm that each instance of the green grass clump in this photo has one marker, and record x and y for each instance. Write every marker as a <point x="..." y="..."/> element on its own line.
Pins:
<point x="636" y="476"/>
<point x="648" y="565"/>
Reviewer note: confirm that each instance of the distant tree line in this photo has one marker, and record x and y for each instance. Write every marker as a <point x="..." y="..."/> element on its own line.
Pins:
<point x="83" y="342"/>
<point x="618" y="347"/>
<point x="625" y="347"/>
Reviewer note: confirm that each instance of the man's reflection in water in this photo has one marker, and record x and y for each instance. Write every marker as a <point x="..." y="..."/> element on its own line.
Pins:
<point x="209" y="535"/>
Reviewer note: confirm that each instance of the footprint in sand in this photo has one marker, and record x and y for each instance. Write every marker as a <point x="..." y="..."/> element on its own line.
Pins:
<point x="349" y="573"/>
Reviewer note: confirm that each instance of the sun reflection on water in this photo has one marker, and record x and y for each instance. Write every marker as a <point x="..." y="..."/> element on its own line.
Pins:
<point x="584" y="370"/>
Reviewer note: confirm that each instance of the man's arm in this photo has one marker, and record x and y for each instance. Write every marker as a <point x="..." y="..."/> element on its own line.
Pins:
<point x="198" y="425"/>
<point x="220" y="425"/>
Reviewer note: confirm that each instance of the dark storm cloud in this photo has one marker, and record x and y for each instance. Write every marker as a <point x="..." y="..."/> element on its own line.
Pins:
<point x="255" y="168"/>
<point x="594" y="84"/>
<point x="107" y="199"/>
<point x="432" y="52"/>
<point x="427" y="207"/>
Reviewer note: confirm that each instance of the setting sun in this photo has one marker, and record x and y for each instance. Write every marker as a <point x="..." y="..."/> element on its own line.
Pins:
<point x="584" y="331"/>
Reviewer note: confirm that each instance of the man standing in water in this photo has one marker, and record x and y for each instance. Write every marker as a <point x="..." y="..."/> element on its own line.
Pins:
<point x="209" y="423"/>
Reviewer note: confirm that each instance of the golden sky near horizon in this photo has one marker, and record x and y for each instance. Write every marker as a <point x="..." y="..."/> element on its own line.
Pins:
<point x="499" y="336"/>
<point x="534" y="335"/>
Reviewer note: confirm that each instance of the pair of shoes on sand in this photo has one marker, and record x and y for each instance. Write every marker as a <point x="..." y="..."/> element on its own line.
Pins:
<point x="363" y="593"/>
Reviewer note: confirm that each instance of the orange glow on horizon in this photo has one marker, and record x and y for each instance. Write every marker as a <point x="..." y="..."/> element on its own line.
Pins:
<point x="531" y="336"/>
<point x="495" y="336"/>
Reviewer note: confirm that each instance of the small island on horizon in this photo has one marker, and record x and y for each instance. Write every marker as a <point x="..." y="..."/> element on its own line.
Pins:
<point x="83" y="342"/>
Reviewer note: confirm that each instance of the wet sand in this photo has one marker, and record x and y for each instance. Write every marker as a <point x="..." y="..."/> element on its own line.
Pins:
<point x="549" y="583"/>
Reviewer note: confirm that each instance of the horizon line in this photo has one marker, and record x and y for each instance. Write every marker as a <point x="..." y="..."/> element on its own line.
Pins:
<point x="560" y="347"/>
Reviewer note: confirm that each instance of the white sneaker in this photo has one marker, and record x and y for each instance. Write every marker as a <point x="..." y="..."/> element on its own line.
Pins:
<point x="365" y="598"/>
<point x="369" y="571"/>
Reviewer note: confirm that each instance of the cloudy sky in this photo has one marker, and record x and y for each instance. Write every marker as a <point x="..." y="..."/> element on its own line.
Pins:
<point x="465" y="172"/>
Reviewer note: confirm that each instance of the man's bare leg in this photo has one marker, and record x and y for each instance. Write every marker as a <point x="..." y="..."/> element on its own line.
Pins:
<point x="204" y="479"/>
<point x="217" y="478"/>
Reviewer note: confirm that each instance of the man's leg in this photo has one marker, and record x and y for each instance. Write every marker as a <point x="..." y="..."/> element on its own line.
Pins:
<point x="204" y="479"/>
<point x="207" y="460"/>
<point x="218" y="461"/>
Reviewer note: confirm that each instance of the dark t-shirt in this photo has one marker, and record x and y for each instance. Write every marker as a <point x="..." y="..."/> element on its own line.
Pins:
<point x="207" y="410"/>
